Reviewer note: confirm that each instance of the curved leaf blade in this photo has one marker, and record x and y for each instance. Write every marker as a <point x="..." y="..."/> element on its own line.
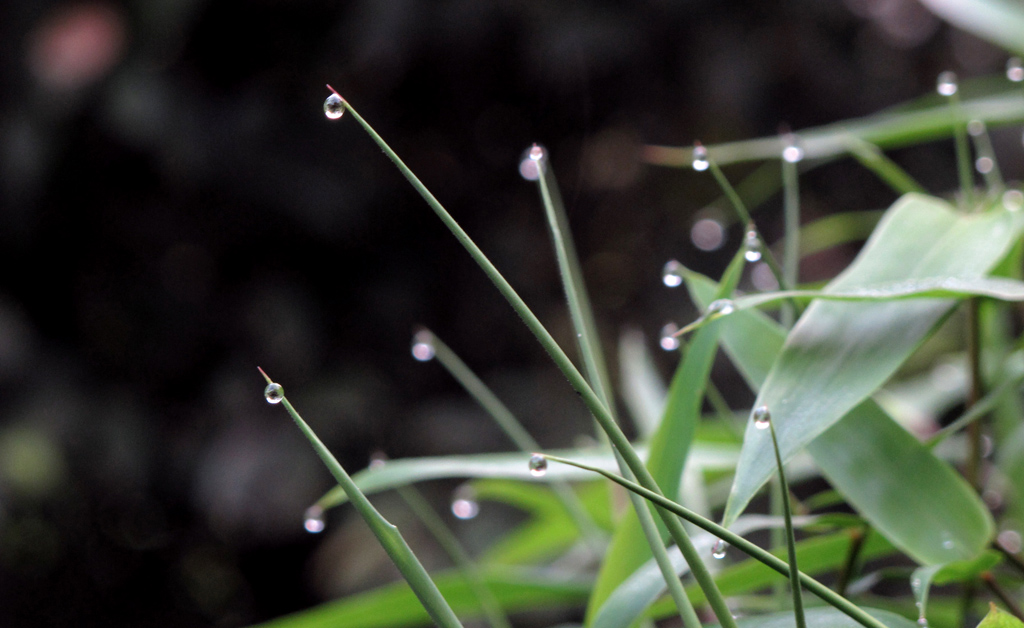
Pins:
<point x="839" y="353"/>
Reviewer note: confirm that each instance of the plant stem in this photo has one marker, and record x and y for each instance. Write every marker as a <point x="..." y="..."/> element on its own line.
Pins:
<point x="963" y="153"/>
<point x="387" y="534"/>
<point x="791" y="252"/>
<point x="745" y="546"/>
<point x="857" y="538"/>
<point x="594" y="403"/>
<point x="446" y="539"/>
<point x="794" y="572"/>
<point x="974" y="394"/>
<point x="1004" y="597"/>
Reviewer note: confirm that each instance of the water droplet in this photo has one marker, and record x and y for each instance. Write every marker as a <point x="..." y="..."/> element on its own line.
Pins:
<point x="668" y="339"/>
<point x="314" y="522"/>
<point x="975" y="127"/>
<point x="947" y="540"/>
<point x="464" y="504"/>
<point x="334" y="107"/>
<point x="721" y="307"/>
<point x="1015" y="69"/>
<point x="946" y="83"/>
<point x="752" y="246"/>
<point x="707" y="234"/>
<point x="1013" y="200"/>
<point x="793" y="152"/>
<point x="718" y="550"/>
<point x="1010" y="540"/>
<point x="672" y="274"/>
<point x="423" y="346"/>
<point x="700" y="157"/>
<point x="538" y="465"/>
<point x="531" y="164"/>
<point x="984" y="165"/>
<point x="273" y="393"/>
<point x="762" y="417"/>
<point x="922" y="621"/>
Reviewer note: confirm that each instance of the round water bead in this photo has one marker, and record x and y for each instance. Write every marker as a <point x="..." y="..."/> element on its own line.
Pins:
<point x="793" y="152"/>
<point x="1015" y="69"/>
<point x="314" y="522"/>
<point x="718" y="549"/>
<point x="721" y="307"/>
<point x="752" y="246"/>
<point x="464" y="504"/>
<point x="423" y="346"/>
<point x="531" y="164"/>
<point x="762" y="417"/>
<point x="700" y="157"/>
<point x="668" y="339"/>
<point x="538" y="465"/>
<point x="672" y="274"/>
<point x="946" y="84"/>
<point x="273" y="393"/>
<point x="334" y="107"/>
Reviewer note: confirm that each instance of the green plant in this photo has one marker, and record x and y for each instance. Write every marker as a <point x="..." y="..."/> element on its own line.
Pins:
<point x="835" y="374"/>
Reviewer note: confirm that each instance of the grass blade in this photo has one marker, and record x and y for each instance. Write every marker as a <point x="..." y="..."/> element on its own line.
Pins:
<point x="387" y="534"/>
<point x="794" y="578"/>
<point x="872" y="158"/>
<point x="745" y="546"/>
<point x="593" y="402"/>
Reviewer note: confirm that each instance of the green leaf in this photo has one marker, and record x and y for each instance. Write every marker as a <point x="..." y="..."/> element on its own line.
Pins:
<point x="395" y="606"/>
<point x="923" y="578"/>
<point x="817" y="555"/>
<point x="999" y="619"/>
<point x="867" y="456"/>
<point x="824" y="618"/>
<point x="925" y="119"/>
<point x="997" y="21"/>
<point x="839" y="353"/>
<point x="669" y="449"/>
<point x="510" y="466"/>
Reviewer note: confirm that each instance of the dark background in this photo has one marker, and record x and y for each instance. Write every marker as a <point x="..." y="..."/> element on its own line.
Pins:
<point x="176" y="211"/>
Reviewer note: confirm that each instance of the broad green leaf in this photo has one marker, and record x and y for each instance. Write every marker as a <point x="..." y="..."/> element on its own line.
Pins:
<point x="824" y="618"/>
<point x="999" y="619"/>
<point x="633" y="597"/>
<point x="928" y="119"/>
<point x="879" y="465"/>
<point x="839" y="353"/>
<point x="395" y="606"/>
<point x="998" y="21"/>
<point x="668" y="450"/>
<point x="511" y="466"/>
<point x="923" y="578"/>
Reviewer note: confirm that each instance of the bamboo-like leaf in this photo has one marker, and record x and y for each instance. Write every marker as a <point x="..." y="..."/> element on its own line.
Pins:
<point x="998" y="21"/>
<point x="395" y="606"/>
<point x="839" y="353"/>
<point x="880" y="468"/>
<point x="929" y="119"/>
<point x="824" y="618"/>
<point x="923" y="578"/>
<point x="669" y="449"/>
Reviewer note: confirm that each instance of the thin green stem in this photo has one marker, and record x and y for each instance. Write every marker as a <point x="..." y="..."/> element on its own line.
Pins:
<point x="983" y="149"/>
<point x="963" y="152"/>
<point x="595" y="365"/>
<point x="794" y="572"/>
<point x="514" y="430"/>
<point x="791" y="251"/>
<point x="872" y="158"/>
<point x="745" y="546"/>
<point x="594" y="403"/>
<point x="974" y="394"/>
<point x="850" y="565"/>
<point x="997" y="590"/>
<point x="744" y="215"/>
<point x="446" y="539"/>
<point x="387" y="534"/>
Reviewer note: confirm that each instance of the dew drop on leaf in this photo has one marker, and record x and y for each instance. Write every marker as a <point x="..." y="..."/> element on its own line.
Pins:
<point x="334" y="107"/>
<point x="672" y="274"/>
<point x="314" y="522"/>
<point x="538" y="465"/>
<point x="273" y="393"/>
